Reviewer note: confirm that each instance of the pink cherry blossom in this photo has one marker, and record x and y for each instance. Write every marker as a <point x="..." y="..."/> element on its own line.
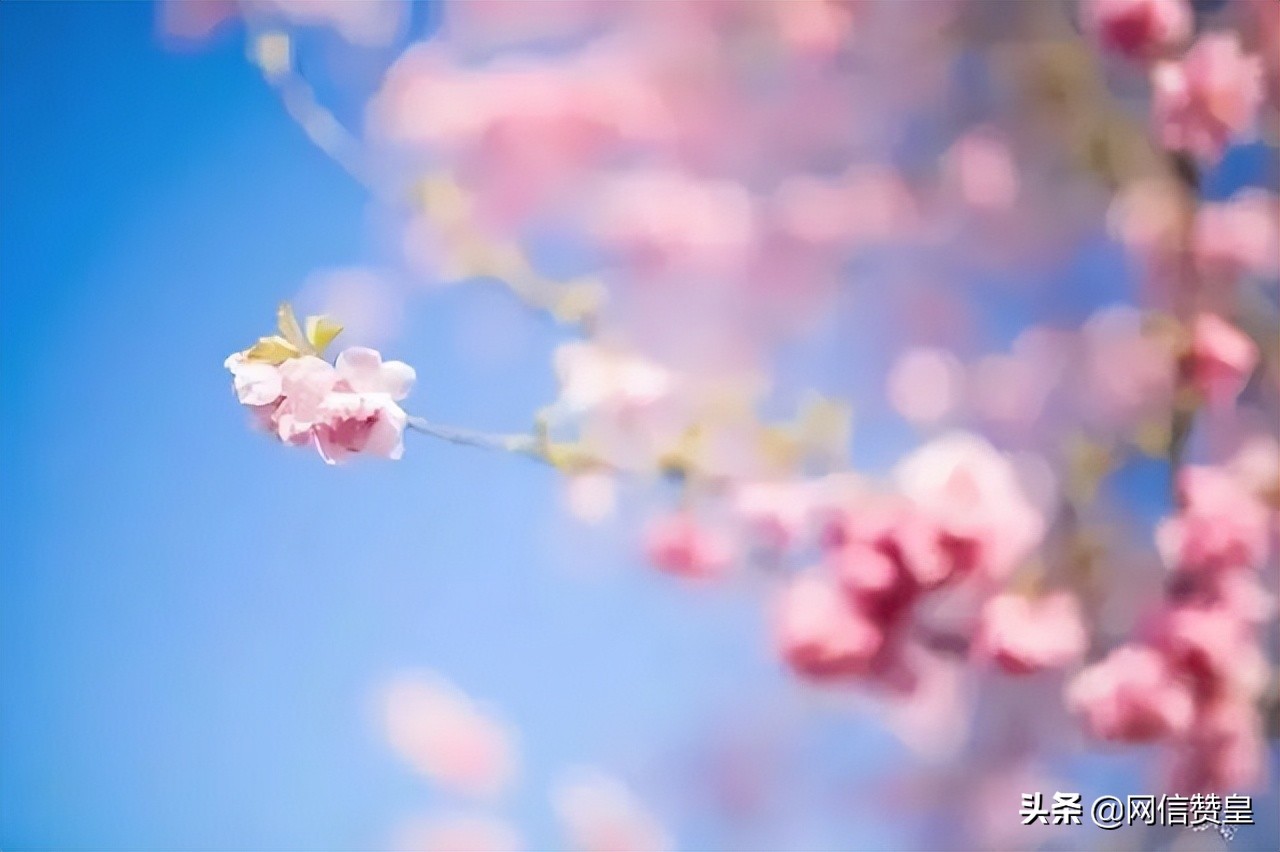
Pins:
<point x="1221" y="359"/>
<point x="1127" y="374"/>
<point x="822" y="634"/>
<point x="1238" y="237"/>
<point x="1225" y="750"/>
<point x="359" y="423"/>
<point x="925" y="385"/>
<point x="592" y="497"/>
<point x="682" y="545"/>
<point x="1137" y="29"/>
<point x="601" y="814"/>
<point x="1025" y="635"/>
<point x="1256" y="464"/>
<point x="595" y="376"/>
<point x="667" y="214"/>
<point x="341" y="410"/>
<point x="922" y="552"/>
<point x="1208" y="98"/>
<point x="1133" y="696"/>
<point x="875" y="576"/>
<point x="305" y="383"/>
<point x="256" y="382"/>
<point x="971" y="491"/>
<point x="1215" y="649"/>
<point x="775" y="513"/>
<point x="1220" y="525"/>
<point x="982" y="168"/>
<point x="363" y="371"/>
<point x="443" y="734"/>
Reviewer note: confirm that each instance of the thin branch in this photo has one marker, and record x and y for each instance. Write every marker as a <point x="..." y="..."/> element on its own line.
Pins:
<point x="525" y="445"/>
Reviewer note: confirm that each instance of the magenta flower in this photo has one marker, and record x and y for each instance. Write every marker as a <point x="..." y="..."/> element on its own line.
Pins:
<point x="1137" y="29"/>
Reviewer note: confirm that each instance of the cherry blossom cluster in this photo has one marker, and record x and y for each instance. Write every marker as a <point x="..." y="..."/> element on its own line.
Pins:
<point x="343" y="408"/>
<point x="1202" y="99"/>
<point x="898" y="571"/>
<point x="1196" y="680"/>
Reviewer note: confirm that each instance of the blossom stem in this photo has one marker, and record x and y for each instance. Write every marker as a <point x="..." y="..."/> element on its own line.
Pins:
<point x="521" y="444"/>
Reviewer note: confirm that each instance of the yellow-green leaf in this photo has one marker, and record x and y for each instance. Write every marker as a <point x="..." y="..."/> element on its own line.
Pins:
<point x="272" y="350"/>
<point x="289" y="328"/>
<point x="321" y="331"/>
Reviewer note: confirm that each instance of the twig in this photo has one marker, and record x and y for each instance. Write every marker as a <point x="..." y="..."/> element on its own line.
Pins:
<point x="525" y="445"/>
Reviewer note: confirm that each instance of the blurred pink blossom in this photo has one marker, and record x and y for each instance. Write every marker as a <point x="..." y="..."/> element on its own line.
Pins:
<point x="1225" y="750"/>
<point x="665" y="214"/>
<point x="369" y="305"/>
<point x="876" y="575"/>
<point x="600" y="814"/>
<point x="680" y="544"/>
<point x="1238" y="237"/>
<point x="1127" y="373"/>
<point x="595" y="376"/>
<point x="1215" y="649"/>
<point x="776" y="514"/>
<point x="821" y="633"/>
<point x="1221" y="359"/>
<point x="1133" y="696"/>
<point x="1256" y="464"/>
<point x="971" y="491"/>
<point x="932" y="715"/>
<point x="1137" y="29"/>
<point x="443" y="734"/>
<point x="816" y="28"/>
<point x="1024" y="634"/>
<point x="592" y="497"/>
<point x="983" y="170"/>
<point x="925" y="385"/>
<point x="1219" y="525"/>
<point x="1206" y="99"/>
